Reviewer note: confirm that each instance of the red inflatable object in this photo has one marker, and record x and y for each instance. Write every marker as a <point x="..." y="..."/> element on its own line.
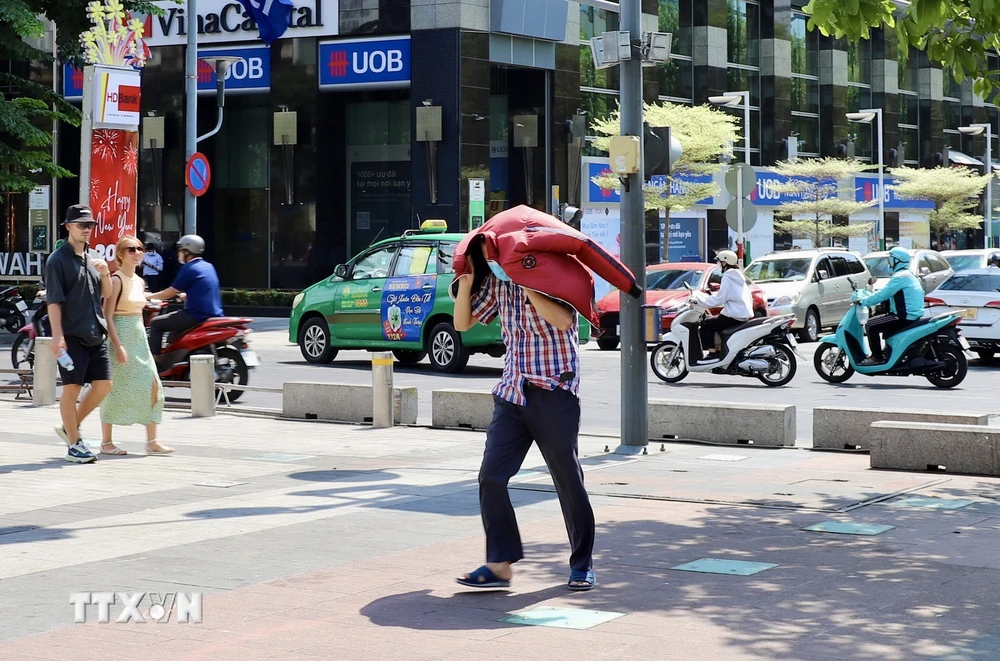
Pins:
<point x="540" y="252"/>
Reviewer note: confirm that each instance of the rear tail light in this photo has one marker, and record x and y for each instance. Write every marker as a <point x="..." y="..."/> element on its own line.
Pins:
<point x="933" y="302"/>
<point x="993" y="304"/>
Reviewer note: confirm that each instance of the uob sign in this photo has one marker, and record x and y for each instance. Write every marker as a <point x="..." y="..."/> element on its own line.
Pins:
<point x="365" y="63"/>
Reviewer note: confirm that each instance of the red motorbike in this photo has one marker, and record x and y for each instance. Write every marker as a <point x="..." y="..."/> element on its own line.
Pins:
<point x="223" y="337"/>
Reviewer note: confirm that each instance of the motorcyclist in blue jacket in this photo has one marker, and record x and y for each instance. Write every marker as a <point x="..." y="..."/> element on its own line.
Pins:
<point x="906" y="303"/>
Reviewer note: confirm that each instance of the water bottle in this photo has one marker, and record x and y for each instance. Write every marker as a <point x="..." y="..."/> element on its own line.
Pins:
<point x="65" y="361"/>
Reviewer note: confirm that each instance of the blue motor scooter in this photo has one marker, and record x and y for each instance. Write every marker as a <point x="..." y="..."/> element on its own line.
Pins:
<point x="932" y="347"/>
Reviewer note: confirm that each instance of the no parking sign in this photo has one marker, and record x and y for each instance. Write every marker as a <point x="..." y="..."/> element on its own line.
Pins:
<point x="198" y="174"/>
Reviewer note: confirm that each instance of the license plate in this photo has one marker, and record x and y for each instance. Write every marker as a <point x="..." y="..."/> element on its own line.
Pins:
<point x="791" y="339"/>
<point x="964" y="342"/>
<point x="250" y="358"/>
<point x="21" y="305"/>
<point x="968" y="313"/>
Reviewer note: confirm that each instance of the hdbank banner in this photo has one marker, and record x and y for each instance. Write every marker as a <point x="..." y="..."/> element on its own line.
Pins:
<point x="251" y="73"/>
<point x="116" y="98"/>
<point x="382" y="62"/>
<point x="867" y="190"/>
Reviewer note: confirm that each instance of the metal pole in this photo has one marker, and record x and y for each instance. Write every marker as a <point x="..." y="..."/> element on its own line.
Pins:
<point x="202" y="386"/>
<point x="989" y="186"/>
<point x="741" y="240"/>
<point x="634" y="404"/>
<point x="191" y="111"/>
<point x="43" y="387"/>
<point x="881" y="185"/>
<point x="382" y="417"/>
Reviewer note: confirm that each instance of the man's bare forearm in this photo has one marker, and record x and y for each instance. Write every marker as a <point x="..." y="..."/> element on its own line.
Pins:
<point x="55" y="321"/>
<point x="463" y="305"/>
<point x="551" y="310"/>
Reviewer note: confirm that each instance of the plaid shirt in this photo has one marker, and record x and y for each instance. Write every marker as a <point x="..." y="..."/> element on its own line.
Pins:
<point x="537" y="352"/>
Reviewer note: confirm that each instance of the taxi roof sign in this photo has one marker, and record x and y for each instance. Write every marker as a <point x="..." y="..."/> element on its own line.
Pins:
<point x="435" y="225"/>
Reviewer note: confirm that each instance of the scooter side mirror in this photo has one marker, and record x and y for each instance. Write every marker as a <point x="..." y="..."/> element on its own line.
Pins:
<point x="872" y="280"/>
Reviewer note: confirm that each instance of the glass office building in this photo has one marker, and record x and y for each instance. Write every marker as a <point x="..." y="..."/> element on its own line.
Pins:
<point x="284" y="207"/>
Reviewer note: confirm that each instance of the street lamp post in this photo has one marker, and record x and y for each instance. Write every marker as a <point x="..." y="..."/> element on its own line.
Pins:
<point x="735" y="100"/>
<point x="979" y="129"/>
<point x="866" y="117"/>
<point x="191" y="113"/>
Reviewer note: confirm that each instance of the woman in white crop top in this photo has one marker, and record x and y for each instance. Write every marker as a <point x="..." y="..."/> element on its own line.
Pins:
<point x="136" y="396"/>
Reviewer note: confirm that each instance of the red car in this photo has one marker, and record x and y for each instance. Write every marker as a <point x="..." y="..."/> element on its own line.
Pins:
<point x="665" y="287"/>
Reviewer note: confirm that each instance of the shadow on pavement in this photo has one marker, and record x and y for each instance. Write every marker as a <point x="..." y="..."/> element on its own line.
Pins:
<point x="830" y="597"/>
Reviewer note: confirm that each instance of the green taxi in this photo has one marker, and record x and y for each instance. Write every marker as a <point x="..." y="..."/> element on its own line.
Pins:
<point x="394" y="297"/>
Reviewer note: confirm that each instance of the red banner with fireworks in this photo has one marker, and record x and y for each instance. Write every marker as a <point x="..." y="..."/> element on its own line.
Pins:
<point x="114" y="164"/>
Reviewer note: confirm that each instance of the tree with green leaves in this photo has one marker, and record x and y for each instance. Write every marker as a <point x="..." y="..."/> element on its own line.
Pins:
<point x="817" y="183"/>
<point x="954" y="191"/>
<point x="957" y="34"/>
<point x="26" y="116"/>
<point x="706" y="135"/>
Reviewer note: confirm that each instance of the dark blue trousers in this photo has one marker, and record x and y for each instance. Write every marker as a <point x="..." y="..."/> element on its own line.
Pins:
<point x="551" y="419"/>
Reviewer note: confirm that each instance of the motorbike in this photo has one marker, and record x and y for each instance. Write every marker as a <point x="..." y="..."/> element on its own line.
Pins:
<point x="763" y="348"/>
<point x="226" y="338"/>
<point x="12" y="309"/>
<point x="932" y="347"/>
<point x="22" y="352"/>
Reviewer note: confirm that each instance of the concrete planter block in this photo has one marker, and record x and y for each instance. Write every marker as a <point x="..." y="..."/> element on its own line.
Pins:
<point x="344" y="402"/>
<point x="921" y="446"/>
<point x="722" y="422"/>
<point x="842" y="428"/>
<point x="470" y="409"/>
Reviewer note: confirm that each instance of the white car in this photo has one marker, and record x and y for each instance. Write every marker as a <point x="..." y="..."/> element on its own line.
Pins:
<point x="928" y="265"/>
<point x="975" y="295"/>
<point x="963" y="260"/>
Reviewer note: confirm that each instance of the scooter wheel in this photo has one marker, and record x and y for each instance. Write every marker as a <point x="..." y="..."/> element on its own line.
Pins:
<point x="783" y="367"/>
<point x="676" y="370"/>
<point x="832" y="364"/>
<point x="956" y="366"/>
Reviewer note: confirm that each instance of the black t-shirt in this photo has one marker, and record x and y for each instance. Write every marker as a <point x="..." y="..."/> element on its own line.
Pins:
<point x="72" y="281"/>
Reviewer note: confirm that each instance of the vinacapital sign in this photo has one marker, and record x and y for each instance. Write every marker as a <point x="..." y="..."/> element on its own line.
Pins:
<point x="229" y="21"/>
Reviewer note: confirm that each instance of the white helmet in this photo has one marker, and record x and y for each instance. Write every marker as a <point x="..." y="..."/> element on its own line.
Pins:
<point x="727" y="257"/>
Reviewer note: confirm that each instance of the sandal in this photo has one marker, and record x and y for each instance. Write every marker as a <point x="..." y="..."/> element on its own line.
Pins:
<point x="162" y="449"/>
<point x="115" y="451"/>
<point x="588" y="578"/>
<point x="483" y="579"/>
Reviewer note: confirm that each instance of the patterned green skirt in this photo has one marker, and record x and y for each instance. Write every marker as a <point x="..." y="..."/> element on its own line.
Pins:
<point x="130" y="400"/>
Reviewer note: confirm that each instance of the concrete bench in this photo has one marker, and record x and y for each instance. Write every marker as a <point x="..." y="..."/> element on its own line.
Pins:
<point x="467" y="409"/>
<point x="921" y="446"/>
<point x="344" y="402"/>
<point x="722" y="422"/>
<point x="841" y="428"/>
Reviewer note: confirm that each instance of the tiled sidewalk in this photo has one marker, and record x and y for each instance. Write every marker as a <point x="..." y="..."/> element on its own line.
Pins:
<point x="315" y="541"/>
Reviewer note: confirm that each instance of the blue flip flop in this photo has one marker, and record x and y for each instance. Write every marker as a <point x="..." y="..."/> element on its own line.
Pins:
<point x="483" y="579"/>
<point x="587" y="576"/>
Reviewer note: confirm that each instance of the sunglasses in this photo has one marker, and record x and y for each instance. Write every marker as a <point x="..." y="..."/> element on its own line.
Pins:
<point x="83" y="224"/>
<point x="135" y="249"/>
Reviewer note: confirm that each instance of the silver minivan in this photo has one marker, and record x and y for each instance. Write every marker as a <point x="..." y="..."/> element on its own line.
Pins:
<point x="928" y="265"/>
<point x="814" y="285"/>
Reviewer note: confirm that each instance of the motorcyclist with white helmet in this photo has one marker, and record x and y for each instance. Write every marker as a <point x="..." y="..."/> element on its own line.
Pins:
<point x="906" y="303"/>
<point x="733" y="297"/>
<point x="196" y="279"/>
